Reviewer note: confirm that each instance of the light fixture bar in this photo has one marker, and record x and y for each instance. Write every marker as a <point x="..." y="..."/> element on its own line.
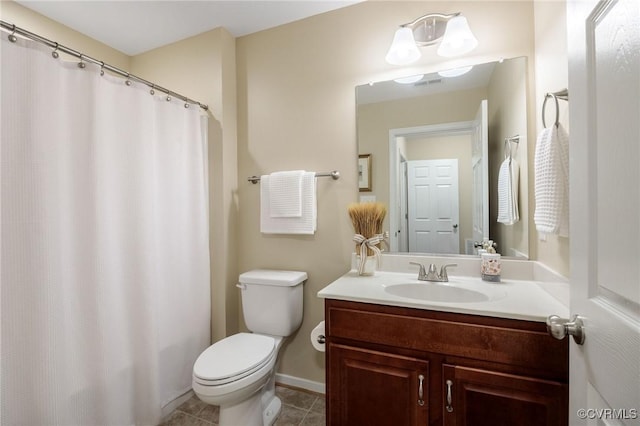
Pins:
<point x="430" y="28"/>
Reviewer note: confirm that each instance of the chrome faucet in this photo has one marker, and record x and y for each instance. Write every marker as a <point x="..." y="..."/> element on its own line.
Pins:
<point x="432" y="274"/>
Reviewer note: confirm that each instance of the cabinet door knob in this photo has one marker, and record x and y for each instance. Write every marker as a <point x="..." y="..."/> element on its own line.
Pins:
<point x="449" y="406"/>
<point x="420" y="391"/>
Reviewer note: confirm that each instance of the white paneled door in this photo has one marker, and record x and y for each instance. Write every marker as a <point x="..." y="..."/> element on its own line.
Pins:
<point x="433" y="212"/>
<point x="604" y="99"/>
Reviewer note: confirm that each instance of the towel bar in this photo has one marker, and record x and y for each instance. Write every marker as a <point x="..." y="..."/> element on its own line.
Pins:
<point x="334" y="174"/>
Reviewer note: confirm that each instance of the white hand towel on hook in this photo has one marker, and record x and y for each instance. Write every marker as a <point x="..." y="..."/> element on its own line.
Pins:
<point x="508" y="177"/>
<point x="305" y="224"/>
<point x="285" y="193"/>
<point x="551" y="173"/>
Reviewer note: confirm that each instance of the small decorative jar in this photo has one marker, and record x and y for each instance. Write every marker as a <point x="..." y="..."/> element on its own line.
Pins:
<point x="490" y="267"/>
<point x="369" y="267"/>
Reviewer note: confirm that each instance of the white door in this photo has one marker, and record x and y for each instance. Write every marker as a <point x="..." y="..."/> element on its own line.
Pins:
<point x="480" y="166"/>
<point x="432" y="200"/>
<point x="604" y="102"/>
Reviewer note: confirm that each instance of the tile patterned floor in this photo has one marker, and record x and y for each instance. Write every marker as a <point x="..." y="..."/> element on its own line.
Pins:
<point x="299" y="408"/>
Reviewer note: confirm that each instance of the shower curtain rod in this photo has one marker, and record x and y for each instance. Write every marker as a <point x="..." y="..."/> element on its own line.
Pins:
<point x="59" y="47"/>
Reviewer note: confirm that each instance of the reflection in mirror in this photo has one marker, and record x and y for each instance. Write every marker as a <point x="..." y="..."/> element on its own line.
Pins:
<point x="436" y="147"/>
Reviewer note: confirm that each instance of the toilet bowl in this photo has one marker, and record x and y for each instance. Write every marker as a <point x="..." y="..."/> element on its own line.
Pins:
<point x="238" y="372"/>
<point x="232" y="372"/>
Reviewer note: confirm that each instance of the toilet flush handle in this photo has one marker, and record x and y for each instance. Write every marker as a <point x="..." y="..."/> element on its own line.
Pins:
<point x="241" y="286"/>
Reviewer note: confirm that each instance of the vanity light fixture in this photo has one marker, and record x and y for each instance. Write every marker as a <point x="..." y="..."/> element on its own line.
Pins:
<point x="403" y="49"/>
<point x="452" y="31"/>
<point x="455" y="72"/>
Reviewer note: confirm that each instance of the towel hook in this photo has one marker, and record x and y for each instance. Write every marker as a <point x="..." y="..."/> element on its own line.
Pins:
<point x="562" y="94"/>
<point x="507" y="146"/>
<point x="507" y="149"/>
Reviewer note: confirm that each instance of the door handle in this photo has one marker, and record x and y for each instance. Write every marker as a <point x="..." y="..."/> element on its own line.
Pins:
<point x="559" y="328"/>
<point x="420" y="391"/>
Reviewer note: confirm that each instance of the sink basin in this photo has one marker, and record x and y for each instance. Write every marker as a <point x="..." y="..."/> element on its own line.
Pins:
<point x="436" y="292"/>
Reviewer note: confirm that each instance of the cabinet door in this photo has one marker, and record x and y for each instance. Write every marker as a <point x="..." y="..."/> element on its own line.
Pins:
<point x="475" y="397"/>
<point x="367" y="387"/>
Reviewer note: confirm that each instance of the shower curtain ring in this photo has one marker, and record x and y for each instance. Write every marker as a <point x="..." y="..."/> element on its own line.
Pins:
<point x="128" y="82"/>
<point x="152" y="91"/>
<point x="168" y="98"/>
<point x="55" y="53"/>
<point x="12" y="38"/>
<point x="81" y="64"/>
<point x="101" y="67"/>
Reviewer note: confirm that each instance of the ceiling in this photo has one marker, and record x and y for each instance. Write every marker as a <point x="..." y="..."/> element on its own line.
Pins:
<point x="134" y="27"/>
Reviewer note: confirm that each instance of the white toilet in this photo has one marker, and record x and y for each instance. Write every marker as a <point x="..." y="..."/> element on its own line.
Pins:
<point x="238" y="372"/>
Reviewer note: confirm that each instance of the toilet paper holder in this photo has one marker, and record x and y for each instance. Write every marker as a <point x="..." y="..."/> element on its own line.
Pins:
<point x="318" y="337"/>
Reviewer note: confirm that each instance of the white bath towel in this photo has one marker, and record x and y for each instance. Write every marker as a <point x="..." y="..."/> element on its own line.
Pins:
<point x="305" y="224"/>
<point x="508" y="192"/>
<point x="551" y="173"/>
<point x="285" y="193"/>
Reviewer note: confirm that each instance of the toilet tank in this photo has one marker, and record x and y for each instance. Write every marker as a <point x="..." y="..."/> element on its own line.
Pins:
<point x="272" y="301"/>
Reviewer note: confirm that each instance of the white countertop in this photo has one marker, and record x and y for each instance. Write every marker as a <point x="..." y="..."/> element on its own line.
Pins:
<point x="511" y="298"/>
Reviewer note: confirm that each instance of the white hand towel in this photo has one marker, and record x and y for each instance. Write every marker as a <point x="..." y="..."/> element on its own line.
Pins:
<point x="508" y="192"/>
<point x="551" y="173"/>
<point x="515" y="189"/>
<point x="285" y="193"/>
<point x="305" y="224"/>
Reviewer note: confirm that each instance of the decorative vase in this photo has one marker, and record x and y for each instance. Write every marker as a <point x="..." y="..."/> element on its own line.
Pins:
<point x="370" y="265"/>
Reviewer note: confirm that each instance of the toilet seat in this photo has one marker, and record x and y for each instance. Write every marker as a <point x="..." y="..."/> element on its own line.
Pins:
<point x="234" y="358"/>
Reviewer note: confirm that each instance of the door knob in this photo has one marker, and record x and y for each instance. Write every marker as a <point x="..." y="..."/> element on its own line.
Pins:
<point x="559" y="328"/>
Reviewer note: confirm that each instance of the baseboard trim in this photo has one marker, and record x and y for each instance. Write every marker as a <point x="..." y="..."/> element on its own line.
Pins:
<point x="168" y="409"/>
<point x="297" y="382"/>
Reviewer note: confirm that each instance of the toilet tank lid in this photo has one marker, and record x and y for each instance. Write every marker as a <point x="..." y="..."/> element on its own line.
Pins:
<point x="273" y="277"/>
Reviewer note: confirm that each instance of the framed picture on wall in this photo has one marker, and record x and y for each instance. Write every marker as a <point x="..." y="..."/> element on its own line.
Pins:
<point x="364" y="172"/>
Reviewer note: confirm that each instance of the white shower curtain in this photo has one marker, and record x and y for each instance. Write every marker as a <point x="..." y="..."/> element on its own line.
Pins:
<point x="104" y="257"/>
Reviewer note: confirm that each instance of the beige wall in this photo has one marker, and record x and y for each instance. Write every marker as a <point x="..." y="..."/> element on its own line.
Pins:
<point x="551" y="75"/>
<point x="297" y="111"/>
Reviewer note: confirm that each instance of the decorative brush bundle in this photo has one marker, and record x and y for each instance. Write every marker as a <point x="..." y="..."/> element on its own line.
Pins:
<point x="367" y="221"/>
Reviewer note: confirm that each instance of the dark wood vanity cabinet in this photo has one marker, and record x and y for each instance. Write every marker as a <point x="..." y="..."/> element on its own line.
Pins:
<point x="371" y="380"/>
<point x="401" y="366"/>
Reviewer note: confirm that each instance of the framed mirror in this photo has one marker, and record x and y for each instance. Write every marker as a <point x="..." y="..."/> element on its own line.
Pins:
<point x="437" y="143"/>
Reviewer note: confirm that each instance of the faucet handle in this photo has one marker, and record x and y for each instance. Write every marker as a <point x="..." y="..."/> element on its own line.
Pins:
<point x="443" y="271"/>
<point x="421" y="273"/>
